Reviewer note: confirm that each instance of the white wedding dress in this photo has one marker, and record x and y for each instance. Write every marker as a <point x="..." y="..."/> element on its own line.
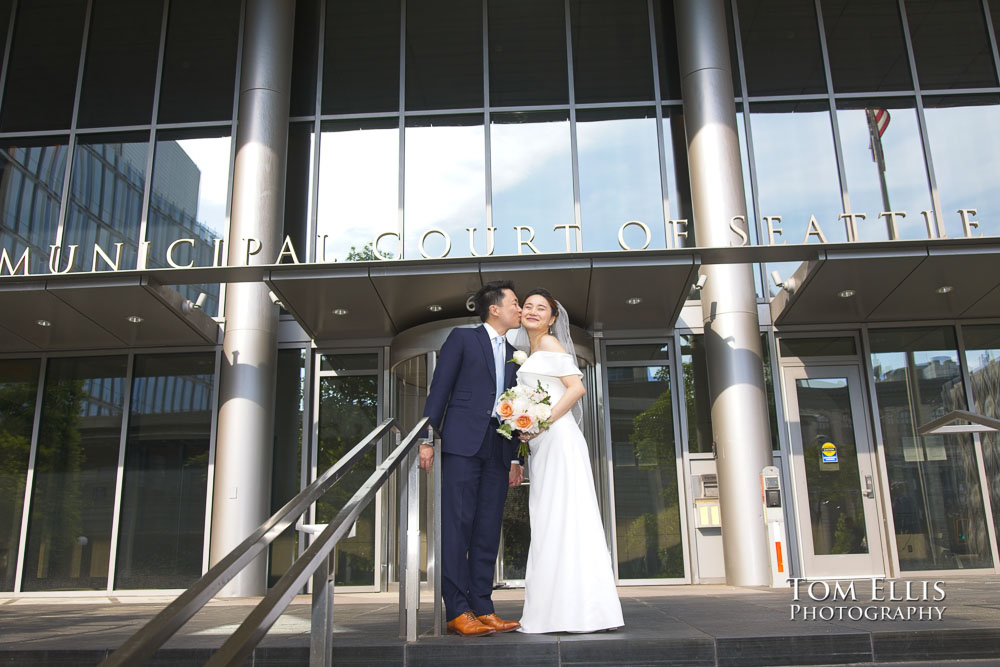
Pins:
<point x="569" y="584"/>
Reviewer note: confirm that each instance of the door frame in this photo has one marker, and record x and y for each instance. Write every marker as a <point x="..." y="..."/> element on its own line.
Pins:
<point x="854" y="370"/>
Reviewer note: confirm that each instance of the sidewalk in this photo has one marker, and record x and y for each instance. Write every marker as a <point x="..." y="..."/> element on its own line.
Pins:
<point x="665" y="625"/>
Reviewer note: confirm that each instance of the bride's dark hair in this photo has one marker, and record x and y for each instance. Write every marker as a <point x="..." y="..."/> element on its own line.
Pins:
<point x="544" y="293"/>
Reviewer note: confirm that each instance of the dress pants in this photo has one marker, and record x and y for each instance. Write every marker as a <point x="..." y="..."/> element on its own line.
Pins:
<point x="473" y="492"/>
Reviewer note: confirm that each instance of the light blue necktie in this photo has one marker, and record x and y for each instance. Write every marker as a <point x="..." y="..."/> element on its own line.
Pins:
<point x="498" y="362"/>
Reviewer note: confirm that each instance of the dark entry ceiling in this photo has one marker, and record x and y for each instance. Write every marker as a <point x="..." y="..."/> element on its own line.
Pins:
<point x="897" y="281"/>
<point x="382" y="299"/>
<point x="87" y="314"/>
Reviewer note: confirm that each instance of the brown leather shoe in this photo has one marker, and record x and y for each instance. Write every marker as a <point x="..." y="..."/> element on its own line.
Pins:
<point x="467" y="625"/>
<point x="497" y="623"/>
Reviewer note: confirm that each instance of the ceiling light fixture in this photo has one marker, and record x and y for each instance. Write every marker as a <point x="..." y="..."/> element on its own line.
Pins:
<point x="134" y="319"/>
<point x="944" y="289"/>
<point x="633" y="301"/>
<point x="339" y="311"/>
<point x="846" y="294"/>
<point x="434" y="308"/>
<point x="43" y="323"/>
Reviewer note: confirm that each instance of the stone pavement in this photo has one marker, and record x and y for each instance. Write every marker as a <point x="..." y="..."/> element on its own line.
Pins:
<point x="664" y="625"/>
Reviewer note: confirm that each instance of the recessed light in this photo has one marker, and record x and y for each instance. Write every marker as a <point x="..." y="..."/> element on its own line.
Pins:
<point x="339" y="311"/>
<point x="846" y="294"/>
<point x="434" y="308"/>
<point x="43" y="323"/>
<point x="944" y="289"/>
<point x="633" y="301"/>
<point x="134" y="319"/>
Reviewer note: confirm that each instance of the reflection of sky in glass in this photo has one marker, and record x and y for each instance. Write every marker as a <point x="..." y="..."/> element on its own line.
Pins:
<point x="796" y="177"/>
<point x="358" y="190"/>
<point x="211" y="156"/>
<point x="445" y="188"/>
<point x="905" y="174"/>
<point x="532" y="185"/>
<point x="748" y="196"/>
<point x="619" y="182"/>
<point x="965" y="146"/>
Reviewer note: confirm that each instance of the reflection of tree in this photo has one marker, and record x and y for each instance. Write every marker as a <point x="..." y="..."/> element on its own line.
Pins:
<point x="366" y="254"/>
<point x="348" y="412"/>
<point x="17" y="410"/>
<point x="649" y="544"/>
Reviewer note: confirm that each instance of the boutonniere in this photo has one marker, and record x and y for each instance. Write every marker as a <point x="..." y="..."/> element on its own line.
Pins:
<point x="519" y="357"/>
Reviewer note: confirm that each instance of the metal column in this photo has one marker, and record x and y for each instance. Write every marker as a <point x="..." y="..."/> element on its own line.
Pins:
<point x="246" y="404"/>
<point x="729" y="306"/>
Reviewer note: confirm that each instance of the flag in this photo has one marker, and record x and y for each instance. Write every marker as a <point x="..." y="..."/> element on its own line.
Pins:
<point x="878" y="121"/>
<point x="881" y="120"/>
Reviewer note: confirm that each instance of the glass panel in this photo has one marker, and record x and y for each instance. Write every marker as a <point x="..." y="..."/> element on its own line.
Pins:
<point x="349" y="362"/>
<point x="298" y="182"/>
<point x="885" y="170"/>
<point x="444" y="54"/>
<point x="830" y="455"/>
<point x="162" y="531"/>
<point x="286" y="466"/>
<point x="612" y="61"/>
<point x="958" y="127"/>
<point x="120" y="70"/>
<point x="188" y="201"/>
<point x="882" y="63"/>
<point x="528" y="53"/>
<point x="752" y="220"/>
<point x="445" y="183"/>
<point x="796" y="174"/>
<point x="645" y="474"/>
<point x="361" y="56"/>
<point x="348" y="410"/>
<point x="18" y="394"/>
<point x="105" y="203"/>
<point x="652" y="352"/>
<point x="410" y="380"/>
<point x="781" y="48"/>
<point x="358" y="189"/>
<point x="72" y="501"/>
<point x="532" y="170"/>
<point x="696" y="395"/>
<point x="678" y="176"/>
<point x="982" y="354"/>
<point x="199" y="65"/>
<point x="666" y="49"/>
<point x="933" y="480"/>
<point x="817" y="347"/>
<point x="619" y="178"/>
<point x="305" y="57"/>
<point x="31" y="183"/>
<point x="44" y="63"/>
<point x="950" y="44"/>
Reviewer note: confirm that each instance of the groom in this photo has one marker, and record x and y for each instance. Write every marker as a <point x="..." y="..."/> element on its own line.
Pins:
<point x="477" y="464"/>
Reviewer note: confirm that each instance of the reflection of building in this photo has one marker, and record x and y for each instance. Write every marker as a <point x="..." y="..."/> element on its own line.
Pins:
<point x="600" y="176"/>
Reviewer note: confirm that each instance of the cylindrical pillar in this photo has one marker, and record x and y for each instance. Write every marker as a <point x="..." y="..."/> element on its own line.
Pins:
<point x="241" y="499"/>
<point x="729" y="306"/>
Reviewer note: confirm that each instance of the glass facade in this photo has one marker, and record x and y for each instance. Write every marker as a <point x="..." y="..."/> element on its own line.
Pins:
<point x="456" y="129"/>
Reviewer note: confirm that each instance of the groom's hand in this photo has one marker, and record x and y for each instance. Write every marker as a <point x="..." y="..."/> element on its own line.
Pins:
<point x="516" y="474"/>
<point x="426" y="456"/>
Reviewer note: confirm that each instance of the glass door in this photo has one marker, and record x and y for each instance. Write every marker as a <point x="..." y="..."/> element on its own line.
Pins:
<point x="834" y="473"/>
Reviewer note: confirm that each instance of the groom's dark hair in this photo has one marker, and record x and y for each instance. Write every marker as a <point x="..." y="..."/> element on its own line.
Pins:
<point x="491" y="294"/>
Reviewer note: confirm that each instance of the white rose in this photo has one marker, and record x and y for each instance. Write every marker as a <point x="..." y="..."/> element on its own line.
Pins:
<point x="543" y="412"/>
<point x="520" y="357"/>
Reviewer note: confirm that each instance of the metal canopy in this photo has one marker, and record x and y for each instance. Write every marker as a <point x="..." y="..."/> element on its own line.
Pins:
<point x="895" y="281"/>
<point x="943" y="424"/>
<point x="89" y="315"/>
<point x="384" y="298"/>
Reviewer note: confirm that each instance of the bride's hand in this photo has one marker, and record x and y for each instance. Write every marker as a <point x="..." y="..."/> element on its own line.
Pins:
<point x="525" y="437"/>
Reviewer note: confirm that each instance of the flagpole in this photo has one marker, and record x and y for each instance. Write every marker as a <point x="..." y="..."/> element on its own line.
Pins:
<point x="879" y="157"/>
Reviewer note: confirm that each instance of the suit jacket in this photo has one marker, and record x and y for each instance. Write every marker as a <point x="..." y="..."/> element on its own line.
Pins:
<point x="464" y="384"/>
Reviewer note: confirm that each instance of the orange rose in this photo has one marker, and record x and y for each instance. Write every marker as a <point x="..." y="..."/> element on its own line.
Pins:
<point x="523" y="422"/>
<point x="505" y="409"/>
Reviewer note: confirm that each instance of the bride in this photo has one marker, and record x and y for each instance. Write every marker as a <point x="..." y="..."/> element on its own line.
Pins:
<point x="569" y="584"/>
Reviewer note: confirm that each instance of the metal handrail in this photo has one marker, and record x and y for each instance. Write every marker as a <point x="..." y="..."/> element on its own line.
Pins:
<point x="141" y="646"/>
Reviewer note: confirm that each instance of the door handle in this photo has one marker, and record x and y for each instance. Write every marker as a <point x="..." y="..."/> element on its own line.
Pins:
<point x="869" y="486"/>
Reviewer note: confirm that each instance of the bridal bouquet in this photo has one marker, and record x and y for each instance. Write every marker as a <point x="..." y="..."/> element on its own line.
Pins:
<point x="524" y="409"/>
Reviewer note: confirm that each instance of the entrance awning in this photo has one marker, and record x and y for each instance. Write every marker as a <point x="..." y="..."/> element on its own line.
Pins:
<point x="376" y="300"/>
<point x="893" y="281"/>
<point x="60" y="313"/>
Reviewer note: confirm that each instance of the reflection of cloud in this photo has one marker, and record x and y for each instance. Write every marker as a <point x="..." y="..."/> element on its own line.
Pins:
<point x="212" y="158"/>
<point x="445" y="177"/>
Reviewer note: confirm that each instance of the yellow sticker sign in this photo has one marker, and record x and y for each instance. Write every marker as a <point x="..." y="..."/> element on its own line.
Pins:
<point x="829" y="452"/>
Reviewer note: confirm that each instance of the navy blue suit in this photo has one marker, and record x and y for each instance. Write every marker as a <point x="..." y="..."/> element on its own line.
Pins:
<point x="475" y="466"/>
